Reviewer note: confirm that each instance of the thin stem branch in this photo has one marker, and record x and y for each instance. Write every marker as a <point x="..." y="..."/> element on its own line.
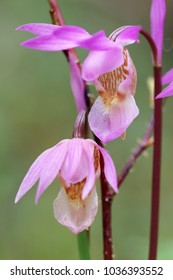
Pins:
<point x="155" y="200"/>
<point x="106" y="196"/>
<point x="152" y="46"/>
<point x="145" y="142"/>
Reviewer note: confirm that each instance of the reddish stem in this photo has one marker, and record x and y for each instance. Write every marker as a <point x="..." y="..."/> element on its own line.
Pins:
<point x="56" y="9"/>
<point x="106" y="216"/>
<point x="155" y="201"/>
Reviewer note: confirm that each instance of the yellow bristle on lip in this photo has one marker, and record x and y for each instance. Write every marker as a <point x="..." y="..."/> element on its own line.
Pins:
<point x="111" y="80"/>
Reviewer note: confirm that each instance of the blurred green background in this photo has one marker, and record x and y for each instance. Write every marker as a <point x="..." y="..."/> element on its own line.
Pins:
<point x="37" y="110"/>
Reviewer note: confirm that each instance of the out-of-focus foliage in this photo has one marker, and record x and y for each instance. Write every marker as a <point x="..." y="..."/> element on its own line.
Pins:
<point x="37" y="110"/>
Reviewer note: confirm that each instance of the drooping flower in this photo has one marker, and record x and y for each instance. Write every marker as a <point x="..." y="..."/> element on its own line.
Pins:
<point x="76" y="162"/>
<point x="108" y="66"/>
<point x="105" y="54"/>
<point x="51" y="37"/>
<point x="115" y="108"/>
<point x="58" y="38"/>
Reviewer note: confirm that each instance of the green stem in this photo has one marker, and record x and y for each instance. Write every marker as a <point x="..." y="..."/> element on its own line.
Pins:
<point x="83" y="245"/>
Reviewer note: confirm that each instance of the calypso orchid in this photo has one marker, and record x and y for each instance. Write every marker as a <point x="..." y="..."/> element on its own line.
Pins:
<point x="76" y="162"/>
<point x="108" y="65"/>
<point x="115" y="108"/>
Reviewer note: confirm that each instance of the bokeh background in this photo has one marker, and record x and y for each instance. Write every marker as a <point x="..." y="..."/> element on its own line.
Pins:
<point x="37" y="110"/>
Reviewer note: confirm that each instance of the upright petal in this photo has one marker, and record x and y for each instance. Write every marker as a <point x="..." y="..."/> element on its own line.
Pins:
<point x="75" y="215"/>
<point x="168" y="77"/>
<point x="77" y="85"/>
<point x="39" y="29"/>
<point x="109" y="169"/>
<point x="157" y="17"/>
<point x="32" y="175"/>
<point x="168" y="91"/>
<point x="100" y="62"/>
<point x="70" y="170"/>
<point x="126" y="35"/>
<point x="110" y="123"/>
<point x="51" y="167"/>
<point x="90" y="180"/>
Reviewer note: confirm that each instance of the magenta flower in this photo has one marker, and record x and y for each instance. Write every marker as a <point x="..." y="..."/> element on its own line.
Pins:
<point x="115" y="108"/>
<point x="58" y="38"/>
<point x="108" y="66"/>
<point x="76" y="162"/>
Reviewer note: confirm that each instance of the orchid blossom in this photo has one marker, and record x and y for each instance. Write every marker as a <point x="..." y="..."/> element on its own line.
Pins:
<point x="115" y="108"/>
<point x="158" y="11"/>
<point x="76" y="162"/>
<point x="108" y="66"/>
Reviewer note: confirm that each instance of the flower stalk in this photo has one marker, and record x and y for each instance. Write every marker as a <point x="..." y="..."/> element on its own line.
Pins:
<point x="156" y="169"/>
<point x="156" y="173"/>
<point x="83" y="245"/>
<point x="106" y="215"/>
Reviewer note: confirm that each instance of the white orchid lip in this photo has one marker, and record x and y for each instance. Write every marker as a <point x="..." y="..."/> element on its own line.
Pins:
<point x="76" y="215"/>
<point x="115" y="108"/>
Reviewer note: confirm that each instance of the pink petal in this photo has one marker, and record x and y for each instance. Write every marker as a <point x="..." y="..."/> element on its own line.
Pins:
<point x="98" y="41"/>
<point x="157" y="17"/>
<point x="79" y="164"/>
<point x="32" y="175"/>
<point x="90" y="181"/>
<point x="51" y="167"/>
<point x="77" y="85"/>
<point x="100" y="62"/>
<point x="54" y="38"/>
<point x="39" y="28"/>
<point x="110" y="123"/>
<point x="49" y="43"/>
<point x="72" y="33"/>
<point x="126" y="35"/>
<point x="70" y="170"/>
<point x="109" y="169"/>
<point x="168" y="77"/>
<point x="75" y="216"/>
<point x="168" y="91"/>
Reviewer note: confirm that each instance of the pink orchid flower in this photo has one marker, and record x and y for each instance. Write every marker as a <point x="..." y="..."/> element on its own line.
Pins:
<point x="57" y="38"/>
<point x="76" y="162"/>
<point x="108" y="66"/>
<point x="115" y="108"/>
